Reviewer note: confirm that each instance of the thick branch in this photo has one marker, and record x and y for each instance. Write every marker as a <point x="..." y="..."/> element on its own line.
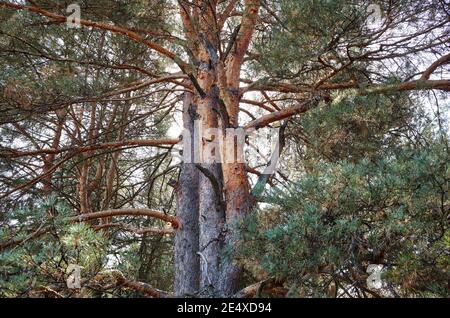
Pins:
<point x="406" y="86"/>
<point x="140" y="287"/>
<point x="372" y="89"/>
<point x="282" y="114"/>
<point x="441" y="61"/>
<point x="103" y="26"/>
<point x="102" y="214"/>
<point x="271" y="286"/>
<point x="376" y="88"/>
<point x="126" y="212"/>
<point x="226" y="13"/>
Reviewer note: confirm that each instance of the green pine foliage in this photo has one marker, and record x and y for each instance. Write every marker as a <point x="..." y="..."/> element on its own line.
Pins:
<point x="32" y="264"/>
<point x="342" y="216"/>
<point x="358" y="127"/>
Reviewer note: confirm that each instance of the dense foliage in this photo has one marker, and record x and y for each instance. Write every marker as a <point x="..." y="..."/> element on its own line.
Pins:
<point x="326" y="228"/>
<point x="369" y="184"/>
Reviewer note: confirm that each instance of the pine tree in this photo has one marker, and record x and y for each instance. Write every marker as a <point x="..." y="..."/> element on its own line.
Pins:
<point x="85" y="114"/>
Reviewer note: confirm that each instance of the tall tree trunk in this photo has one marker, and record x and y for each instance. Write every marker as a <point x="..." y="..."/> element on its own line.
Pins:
<point x="187" y="265"/>
<point x="217" y="84"/>
<point x="212" y="209"/>
<point x="238" y="204"/>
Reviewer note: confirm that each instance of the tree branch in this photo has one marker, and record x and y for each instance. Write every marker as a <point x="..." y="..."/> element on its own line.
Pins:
<point x="13" y="153"/>
<point x="103" y="26"/>
<point x="441" y="61"/>
<point x="372" y="89"/>
<point x="126" y="212"/>
<point x="270" y="285"/>
<point x="140" y="287"/>
<point x="283" y="114"/>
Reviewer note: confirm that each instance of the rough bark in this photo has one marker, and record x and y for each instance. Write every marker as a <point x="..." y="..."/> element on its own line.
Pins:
<point x="217" y="97"/>
<point x="212" y="219"/>
<point x="211" y="211"/>
<point x="236" y="184"/>
<point x="186" y="245"/>
<point x="238" y="204"/>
